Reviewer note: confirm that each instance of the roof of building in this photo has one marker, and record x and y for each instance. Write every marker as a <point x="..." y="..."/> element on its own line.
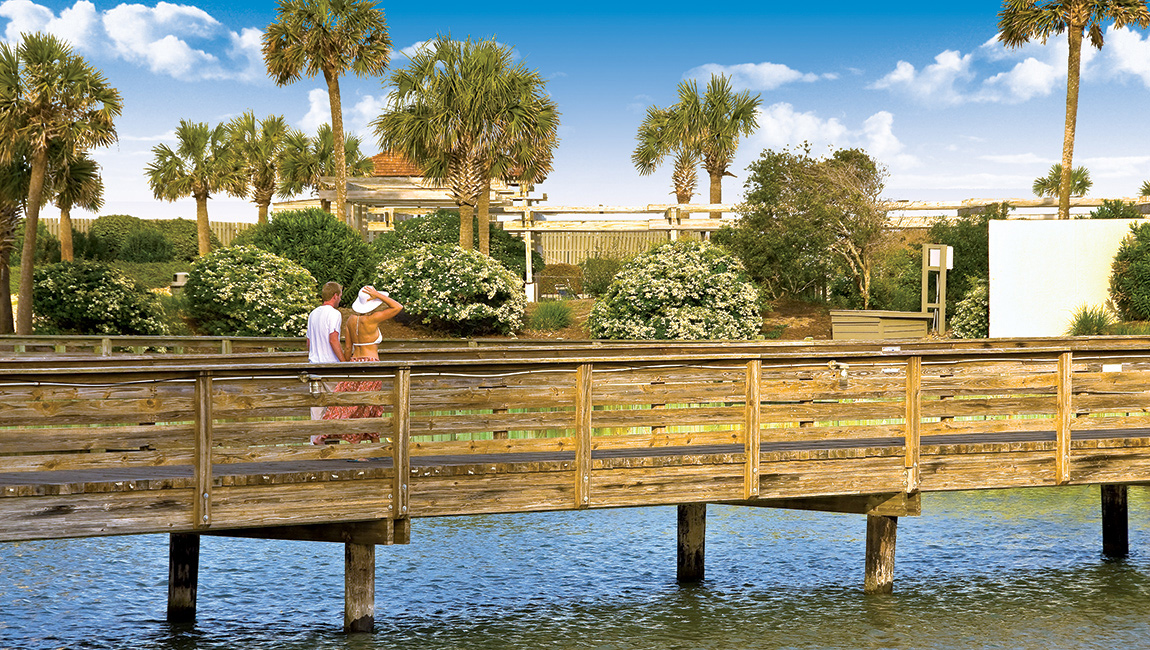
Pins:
<point x="389" y="164"/>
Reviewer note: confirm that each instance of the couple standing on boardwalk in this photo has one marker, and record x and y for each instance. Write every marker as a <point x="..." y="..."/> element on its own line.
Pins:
<point x="361" y="338"/>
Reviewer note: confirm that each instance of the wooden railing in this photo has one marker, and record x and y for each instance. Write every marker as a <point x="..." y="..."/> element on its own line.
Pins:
<point x="115" y="446"/>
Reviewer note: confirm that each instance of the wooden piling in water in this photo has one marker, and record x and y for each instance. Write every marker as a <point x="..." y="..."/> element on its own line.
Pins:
<point x="880" y="538"/>
<point x="1115" y="535"/>
<point x="183" y="576"/>
<point x="359" y="587"/>
<point x="692" y="541"/>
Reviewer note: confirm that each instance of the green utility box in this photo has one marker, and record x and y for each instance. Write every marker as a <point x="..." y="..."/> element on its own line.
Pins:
<point x="874" y="324"/>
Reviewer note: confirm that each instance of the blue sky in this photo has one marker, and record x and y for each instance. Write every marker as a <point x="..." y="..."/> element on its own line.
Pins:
<point x="924" y="89"/>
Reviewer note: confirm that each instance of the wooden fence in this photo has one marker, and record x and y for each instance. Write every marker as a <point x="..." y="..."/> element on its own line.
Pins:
<point x="226" y="231"/>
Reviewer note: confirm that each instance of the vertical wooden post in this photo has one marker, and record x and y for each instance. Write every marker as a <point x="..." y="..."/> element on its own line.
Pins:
<point x="225" y="346"/>
<point x="202" y="499"/>
<point x="358" y="587"/>
<point x="1063" y="416"/>
<point x="913" y="422"/>
<point x="1115" y="536"/>
<point x="183" y="576"/>
<point x="881" y="532"/>
<point x="583" y="435"/>
<point x="401" y="438"/>
<point x="691" y="541"/>
<point x="752" y="428"/>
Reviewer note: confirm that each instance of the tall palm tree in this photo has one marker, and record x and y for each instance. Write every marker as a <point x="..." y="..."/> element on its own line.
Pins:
<point x="329" y="37"/>
<point x="76" y="182"/>
<point x="258" y="145"/>
<point x="201" y="165"/>
<point x="713" y="123"/>
<point x="49" y="97"/>
<point x="466" y="114"/>
<point x="1049" y="184"/>
<point x="1145" y="189"/>
<point x="305" y="161"/>
<point x="14" y="177"/>
<point x="1021" y="21"/>
<point x="656" y="142"/>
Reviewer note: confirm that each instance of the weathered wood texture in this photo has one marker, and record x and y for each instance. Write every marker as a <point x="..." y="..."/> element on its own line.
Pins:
<point x="212" y="444"/>
<point x="881" y="533"/>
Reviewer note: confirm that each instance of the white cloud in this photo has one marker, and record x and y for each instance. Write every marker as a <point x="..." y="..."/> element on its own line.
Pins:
<point x="752" y="76"/>
<point x="1114" y="166"/>
<point x="181" y="41"/>
<point x="1127" y="53"/>
<point x="1028" y="79"/>
<point x="781" y="126"/>
<point x="879" y="141"/>
<point x="319" y="111"/>
<point x="357" y="117"/>
<point x="936" y="83"/>
<point x="965" y="182"/>
<point x="1018" y="159"/>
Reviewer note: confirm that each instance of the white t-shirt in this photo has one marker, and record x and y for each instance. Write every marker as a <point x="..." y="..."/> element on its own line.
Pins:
<point x="321" y="322"/>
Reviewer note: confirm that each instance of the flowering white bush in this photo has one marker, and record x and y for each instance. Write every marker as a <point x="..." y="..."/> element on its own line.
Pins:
<point x="683" y="290"/>
<point x="93" y="298"/>
<point x="453" y="290"/>
<point x="972" y="314"/>
<point x="244" y="291"/>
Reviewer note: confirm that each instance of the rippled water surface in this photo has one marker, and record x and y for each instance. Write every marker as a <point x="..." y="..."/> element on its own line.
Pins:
<point x="1012" y="569"/>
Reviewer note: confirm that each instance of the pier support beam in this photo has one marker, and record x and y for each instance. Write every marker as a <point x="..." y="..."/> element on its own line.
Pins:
<point x="692" y="541"/>
<point x="1115" y="539"/>
<point x="183" y="576"/>
<point x="880" y="537"/>
<point x="358" y="587"/>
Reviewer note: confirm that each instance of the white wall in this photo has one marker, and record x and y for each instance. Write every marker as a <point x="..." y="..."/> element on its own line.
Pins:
<point x="1041" y="272"/>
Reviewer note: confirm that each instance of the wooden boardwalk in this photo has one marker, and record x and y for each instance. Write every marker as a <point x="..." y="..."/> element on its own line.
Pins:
<point x="210" y="444"/>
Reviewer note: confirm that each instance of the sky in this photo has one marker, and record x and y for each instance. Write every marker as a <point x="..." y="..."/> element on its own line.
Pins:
<point x="925" y="88"/>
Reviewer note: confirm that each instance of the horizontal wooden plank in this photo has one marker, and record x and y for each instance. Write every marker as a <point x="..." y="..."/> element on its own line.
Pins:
<point x="436" y="495"/>
<point x="987" y="470"/>
<point x="301" y="503"/>
<point x="78" y="439"/>
<point x="110" y="460"/>
<point x="91" y="515"/>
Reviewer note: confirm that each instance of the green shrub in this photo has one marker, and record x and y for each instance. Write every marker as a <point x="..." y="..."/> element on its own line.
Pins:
<point x="1129" y="329"/>
<point x="145" y="245"/>
<point x="1130" y="275"/>
<point x="1115" y="209"/>
<point x="153" y="275"/>
<point x="560" y="275"/>
<point x="972" y="313"/>
<point x="681" y="290"/>
<point x="598" y="273"/>
<point x="114" y="229"/>
<point x="316" y="240"/>
<point x="551" y="315"/>
<point x="441" y="228"/>
<point x="1091" y="321"/>
<point x="87" y="246"/>
<point x="453" y="290"/>
<point x="93" y="298"/>
<point x="47" y="245"/>
<point x="184" y="237"/>
<point x="245" y="291"/>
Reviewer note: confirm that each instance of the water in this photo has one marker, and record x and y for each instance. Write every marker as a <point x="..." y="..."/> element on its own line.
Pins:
<point x="1014" y="569"/>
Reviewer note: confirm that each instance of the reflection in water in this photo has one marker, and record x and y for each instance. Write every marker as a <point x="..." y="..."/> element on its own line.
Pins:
<point x="997" y="569"/>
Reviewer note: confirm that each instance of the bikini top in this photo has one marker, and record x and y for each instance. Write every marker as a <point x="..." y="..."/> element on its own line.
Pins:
<point x="377" y="341"/>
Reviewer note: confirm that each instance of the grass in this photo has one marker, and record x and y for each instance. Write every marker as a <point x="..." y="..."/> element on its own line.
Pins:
<point x="1091" y="321"/>
<point x="551" y="315"/>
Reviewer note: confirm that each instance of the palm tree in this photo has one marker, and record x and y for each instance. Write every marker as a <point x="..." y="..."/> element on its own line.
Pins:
<point x="201" y="164"/>
<point x="49" y="97"/>
<point x="305" y="161"/>
<point x="712" y="124"/>
<point x="656" y="142"/>
<point x="76" y="182"/>
<point x="331" y="37"/>
<point x="1145" y="191"/>
<point x="258" y="144"/>
<point x="1021" y="21"/>
<point x="465" y="114"/>
<point x="1049" y="184"/>
<point x="14" y="177"/>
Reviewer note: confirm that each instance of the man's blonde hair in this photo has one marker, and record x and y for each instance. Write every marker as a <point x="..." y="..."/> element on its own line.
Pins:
<point x="330" y="290"/>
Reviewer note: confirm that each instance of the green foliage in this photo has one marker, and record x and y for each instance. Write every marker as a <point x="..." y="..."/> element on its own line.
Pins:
<point x="146" y="245"/>
<point x="153" y="275"/>
<point x="442" y="228"/>
<point x="1115" y="209"/>
<point x="997" y="211"/>
<point x="560" y="275"/>
<point x="1130" y="329"/>
<point x="972" y="313"/>
<point x="1130" y="274"/>
<point x="47" y="245"/>
<point x="318" y="241"/>
<point x="1080" y="182"/>
<point x="453" y="290"/>
<point x="550" y="315"/>
<point x="114" y="229"/>
<point x="93" y="298"/>
<point x="897" y="284"/>
<point x="245" y="291"/>
<point x="184" y="238"/>
<point x="969" y="236"/>
<point x="88" y="247"/>
<point x="1091" y="321"/>
<point x="681" y="290"/>
<point x="598" y="273"/>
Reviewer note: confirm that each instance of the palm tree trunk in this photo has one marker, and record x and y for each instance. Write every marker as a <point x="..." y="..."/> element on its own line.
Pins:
<point x="338" y="145"/>
<point x="28" y="253"/>
<point x="5" y="294"/>
<point x="1073" y="73"/>
<point x="325" y="205"/>
<point x="466" y="219"/>
<point x="203" y="229"/>
<point x="263" y="216"/>
<point x="484" y="225"/>
<point x="66" y="233"/>
<point x="716" y="189"/>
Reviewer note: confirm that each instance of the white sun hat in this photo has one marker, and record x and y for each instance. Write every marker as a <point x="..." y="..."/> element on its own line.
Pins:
<point x="365" y="303"/>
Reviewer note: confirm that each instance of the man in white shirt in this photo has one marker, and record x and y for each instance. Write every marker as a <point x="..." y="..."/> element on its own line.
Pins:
<point x="323" y="327"/>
